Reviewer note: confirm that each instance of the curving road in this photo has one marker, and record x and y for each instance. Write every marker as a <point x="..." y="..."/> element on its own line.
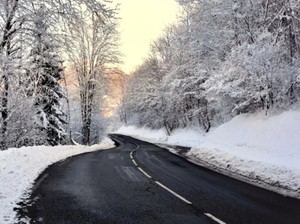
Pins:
<point x="139" y="183"/>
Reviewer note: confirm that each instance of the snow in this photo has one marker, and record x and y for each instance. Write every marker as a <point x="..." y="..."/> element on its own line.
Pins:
<point x="20" y="167"/>
<point x="273" y="140"/>
<point x="186" y="137"/>
<point x="191" y="137"/>
<point x="144" y="133"/>
<point x="260" y="149"/>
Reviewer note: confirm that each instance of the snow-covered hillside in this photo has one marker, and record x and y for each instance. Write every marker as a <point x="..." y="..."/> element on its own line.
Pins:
<point x="264" y="148"/>
<point x="20" y="167"/>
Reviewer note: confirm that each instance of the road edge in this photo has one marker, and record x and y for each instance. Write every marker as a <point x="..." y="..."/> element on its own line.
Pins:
<point x="26" y="198"/>
<point x="282" y="190"/>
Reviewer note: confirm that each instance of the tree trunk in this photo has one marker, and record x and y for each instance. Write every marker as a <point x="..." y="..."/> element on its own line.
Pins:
<point x="4" y="111"/>
<point x="87" y="101"/>
<point x="4" y="100"/>
<point x="69" y="110"/>
<point x="5" y="44"/>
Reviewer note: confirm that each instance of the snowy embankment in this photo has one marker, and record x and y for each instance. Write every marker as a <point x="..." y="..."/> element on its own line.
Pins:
<point x="20" y="167"/>
<point x="263" y="150"/>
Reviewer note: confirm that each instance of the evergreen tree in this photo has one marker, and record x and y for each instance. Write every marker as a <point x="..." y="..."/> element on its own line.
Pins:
<point x="45" y="73"/>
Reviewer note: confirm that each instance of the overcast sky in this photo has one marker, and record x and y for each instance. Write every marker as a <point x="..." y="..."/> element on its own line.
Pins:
<point x="142" y="22"/>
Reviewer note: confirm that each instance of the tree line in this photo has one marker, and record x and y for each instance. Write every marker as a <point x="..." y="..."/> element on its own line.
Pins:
<point x="223" y="58"/>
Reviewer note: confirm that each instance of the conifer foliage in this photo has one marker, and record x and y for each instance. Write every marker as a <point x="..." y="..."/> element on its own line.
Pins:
<point x="46" y="71"/>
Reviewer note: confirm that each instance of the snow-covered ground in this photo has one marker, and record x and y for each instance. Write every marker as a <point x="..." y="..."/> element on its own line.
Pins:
<point x="262" y="148"/>
<point x="20" y="167"/>
<point x="184" y="137"/>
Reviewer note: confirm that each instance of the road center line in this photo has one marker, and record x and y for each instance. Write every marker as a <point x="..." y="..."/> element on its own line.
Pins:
<point x="214" y="218"/>
<point x="172" y="192"/>
<point x="131" y="155"/>
<point x="158" y="183"/>
<point x="144" y="172"/>
<point x="134" y="162"/>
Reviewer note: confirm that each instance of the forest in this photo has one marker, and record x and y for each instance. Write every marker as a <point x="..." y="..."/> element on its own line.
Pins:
<point x="41" y="43"/>
<point x="222" y="59"/>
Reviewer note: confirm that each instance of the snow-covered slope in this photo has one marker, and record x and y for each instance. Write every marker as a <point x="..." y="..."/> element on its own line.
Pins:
<point x="20" y="167"/>
<point x="144" y="133"/>
<point x="251" y="135"/>
<point x="260" y="147"/>
<point x="191" y="137"/>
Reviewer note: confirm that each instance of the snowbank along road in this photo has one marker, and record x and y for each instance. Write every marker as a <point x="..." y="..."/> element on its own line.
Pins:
<point x="140" y="183"/>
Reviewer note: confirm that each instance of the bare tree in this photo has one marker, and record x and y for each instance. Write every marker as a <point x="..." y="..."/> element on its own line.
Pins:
<point x="93" y="46"/>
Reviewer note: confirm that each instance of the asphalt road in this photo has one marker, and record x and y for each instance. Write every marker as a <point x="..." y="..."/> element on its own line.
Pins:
<point x="139" y="183"/>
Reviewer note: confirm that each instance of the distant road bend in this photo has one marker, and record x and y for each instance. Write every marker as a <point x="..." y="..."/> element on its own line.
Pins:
<point x="140" y="183"/>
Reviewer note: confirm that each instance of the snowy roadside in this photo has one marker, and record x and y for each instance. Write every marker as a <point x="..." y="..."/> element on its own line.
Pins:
<point x="20" y="167"/>
<point x="258" y="149"/>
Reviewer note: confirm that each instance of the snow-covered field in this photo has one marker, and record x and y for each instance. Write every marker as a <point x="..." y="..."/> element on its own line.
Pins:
<point x="262" y="148"/>
<point x="20" y="167"/>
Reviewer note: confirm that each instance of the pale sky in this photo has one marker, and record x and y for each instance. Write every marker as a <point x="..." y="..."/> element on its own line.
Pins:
<point x="142" y="22"/>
